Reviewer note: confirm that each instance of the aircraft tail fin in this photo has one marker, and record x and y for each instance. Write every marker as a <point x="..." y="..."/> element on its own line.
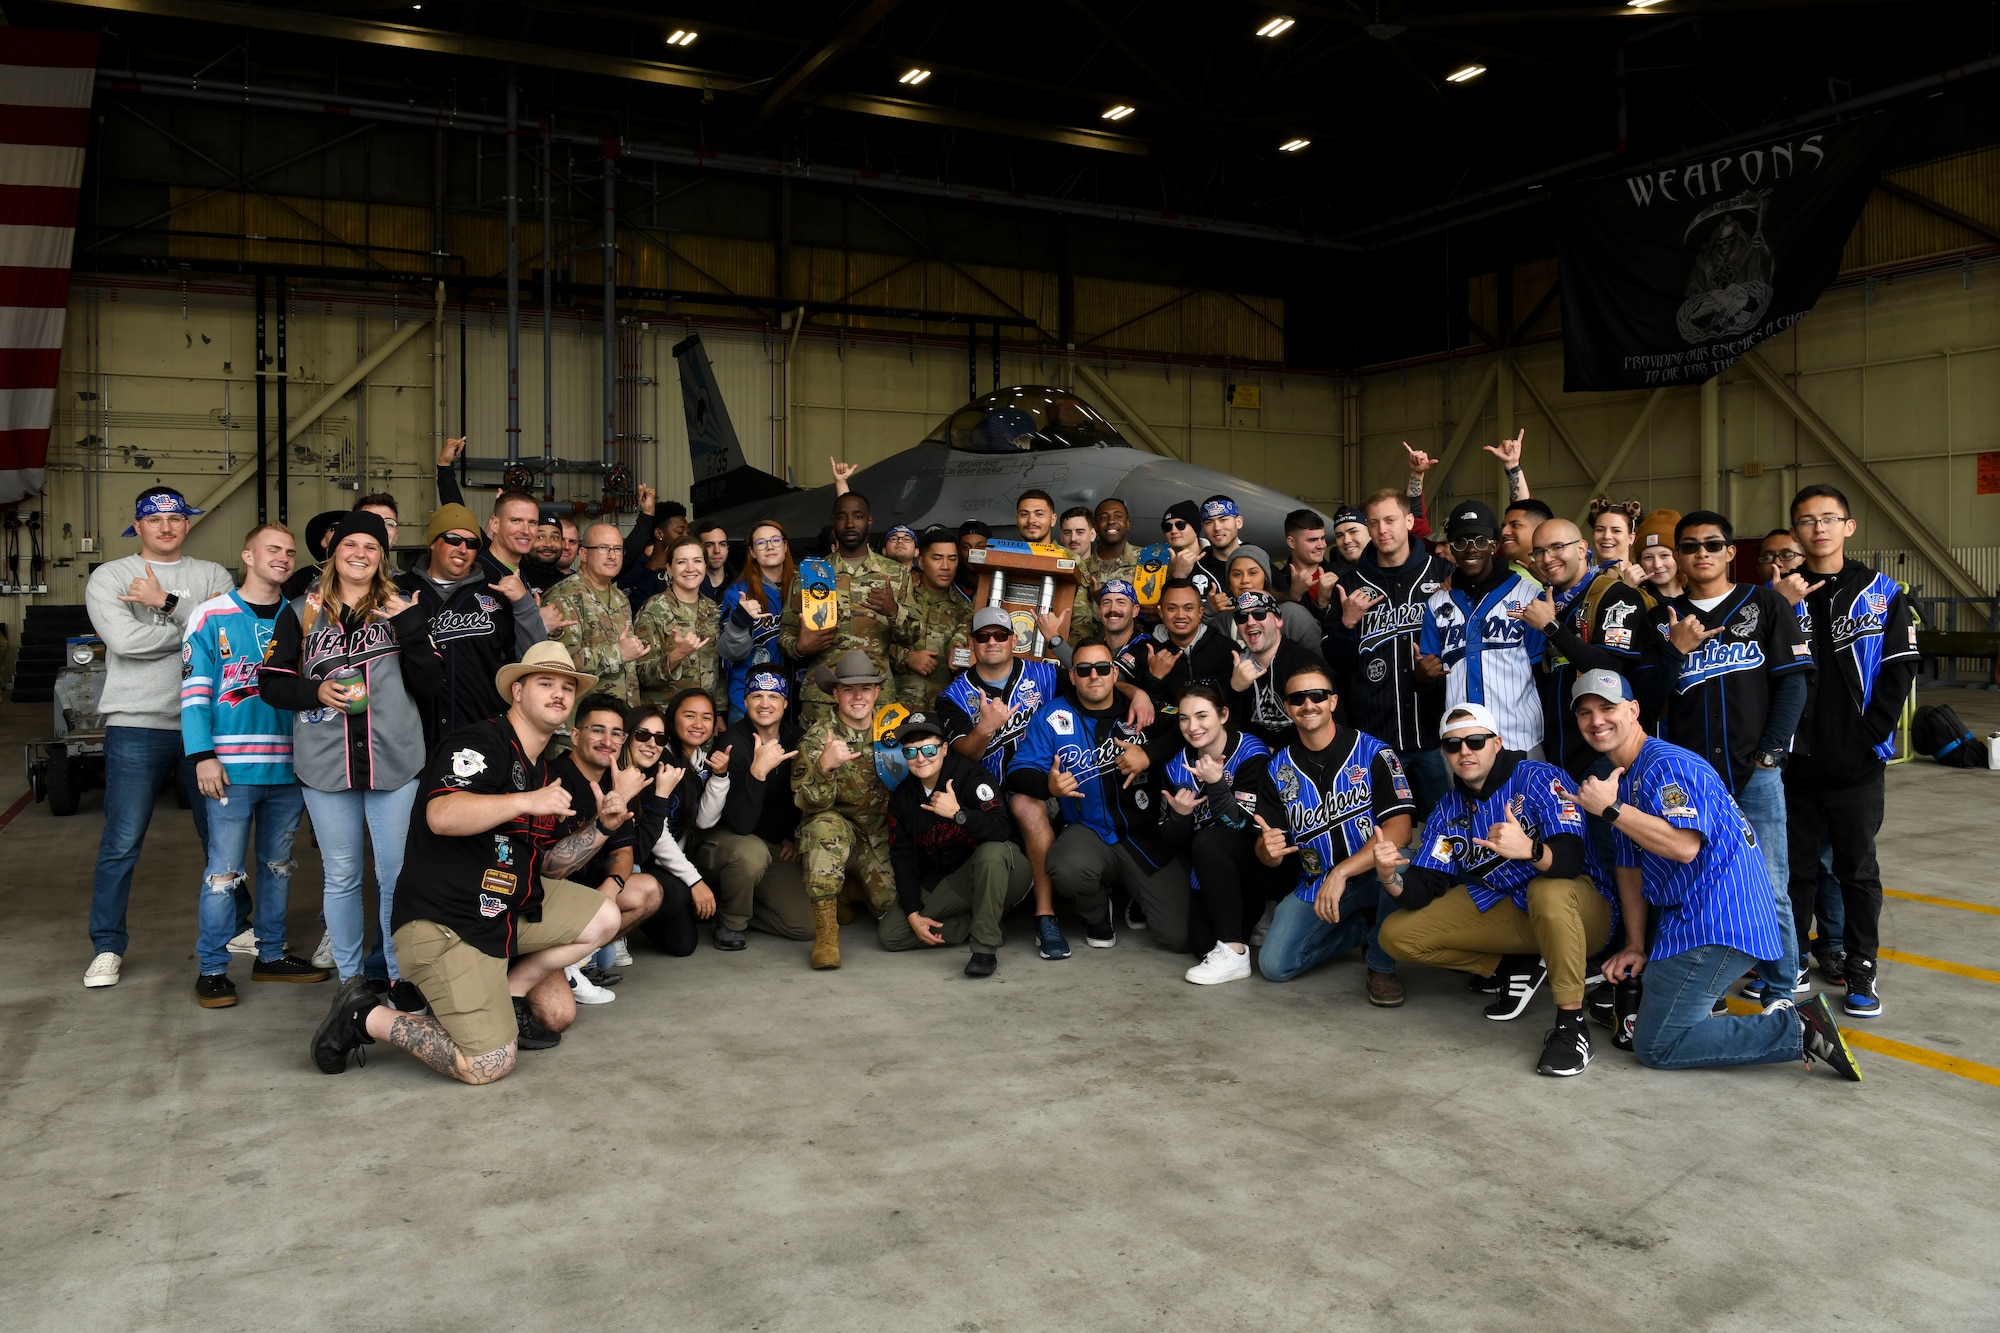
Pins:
<point x="721" y="478"/>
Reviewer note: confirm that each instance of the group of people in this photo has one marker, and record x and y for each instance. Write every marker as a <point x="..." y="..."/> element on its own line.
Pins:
<point x="1591" y="763"/>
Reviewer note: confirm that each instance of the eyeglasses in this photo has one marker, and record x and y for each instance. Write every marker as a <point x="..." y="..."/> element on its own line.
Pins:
<point x="768" y="543"/>
<point x="1463" y="544"/>
<point x="1085" y="670"/>
<point x="602" y="546"/>
<point x="1172" y="524"/>
<point x="390" y="522"/>
<point x="993" y="636"/>
<point x="454" y="539"/>
<point x="1812" y="522"/>
<point x="927" y="750"/>
<point x="1712" y="545"/>
<point x="1554" y="548"/>
<point x="1245" y="617"/>
<point x="1299" y="698"/>
<point x="610" y="733"/>
<point x="1780" y="557"/>
<point x="1453" y="744"/>
<point x="647" y="736"/>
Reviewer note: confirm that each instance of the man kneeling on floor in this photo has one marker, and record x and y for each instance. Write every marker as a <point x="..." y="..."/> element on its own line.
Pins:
<point x="958" y="860"/>
<point x="1684" y="847"/>
<point x="1510" y="832"/>
<point x="483" y="882"/>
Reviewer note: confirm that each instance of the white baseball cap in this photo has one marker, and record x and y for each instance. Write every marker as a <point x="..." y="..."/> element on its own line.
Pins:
<point x="1468" y="716"/>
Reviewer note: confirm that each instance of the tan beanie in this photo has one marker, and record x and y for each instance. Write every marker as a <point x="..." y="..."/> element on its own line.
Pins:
<point x="1657" y="530"/>
<point x="450" y="518"/>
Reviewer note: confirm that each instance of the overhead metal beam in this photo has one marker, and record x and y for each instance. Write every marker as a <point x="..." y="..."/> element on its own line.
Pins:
<point x="1619" y="455"/>
<point x="897" y="108"/>
<point x="1472" y="409"/>
<point x="1932" y="206"/>
<point x="1884" y="496"/>
<point x="1111" y="399"/>
<point x="362" y="369"/>
<point x="1560" y="431"/>
<point x="802" y="73"/>
<point x="1111" y="34"/>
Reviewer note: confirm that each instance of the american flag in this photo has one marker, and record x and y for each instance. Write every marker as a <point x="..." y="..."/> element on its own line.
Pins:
<point x="45" y="87"/>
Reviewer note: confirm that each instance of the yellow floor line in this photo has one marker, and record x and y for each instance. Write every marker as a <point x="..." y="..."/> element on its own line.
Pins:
<point x="1934" y="901"/>
<point x="1896" y="1050"/>
<point x="1940" y="965"/>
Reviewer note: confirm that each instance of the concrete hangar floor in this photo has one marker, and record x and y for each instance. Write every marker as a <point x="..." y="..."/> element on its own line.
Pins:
<point x="740" y="1143"/>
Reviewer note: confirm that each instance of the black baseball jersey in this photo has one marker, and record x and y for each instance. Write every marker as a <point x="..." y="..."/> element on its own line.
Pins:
<point x="1598" y="625"/>
<point x="1720" y="694"/>
<point x="1376" y="660"/>
<point x="1211" y="658"/>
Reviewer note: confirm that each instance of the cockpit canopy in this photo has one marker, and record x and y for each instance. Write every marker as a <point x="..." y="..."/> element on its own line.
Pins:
<point x="1027" y="416"/>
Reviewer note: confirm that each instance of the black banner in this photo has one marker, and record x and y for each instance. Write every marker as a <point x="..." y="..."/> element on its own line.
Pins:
<point x="1669" y="276"/>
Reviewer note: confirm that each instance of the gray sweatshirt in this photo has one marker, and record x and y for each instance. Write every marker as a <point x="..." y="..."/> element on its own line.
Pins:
<point x="142" y="648"/>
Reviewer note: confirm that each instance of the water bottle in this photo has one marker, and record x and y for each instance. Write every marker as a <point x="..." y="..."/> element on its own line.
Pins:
<point x="1625" y="1012"/>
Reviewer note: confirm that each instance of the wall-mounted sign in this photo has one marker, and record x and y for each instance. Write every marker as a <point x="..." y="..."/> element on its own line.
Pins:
<point x="1246" y="396"/>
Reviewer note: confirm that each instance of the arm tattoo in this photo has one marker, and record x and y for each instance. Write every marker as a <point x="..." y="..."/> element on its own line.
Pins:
<point x="424" y="1037"/>
<point x="1517" y="483"/>
<point x="573" y="852"/>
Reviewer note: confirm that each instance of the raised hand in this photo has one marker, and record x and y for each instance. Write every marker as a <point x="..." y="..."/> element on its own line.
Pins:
<point x="555" y="622"/>
<point x="668" y="778"/>
<point x="1183" y="561"/>
<point x="836" y="753"/>
<point x="627" y="783"/>
<point x="550" y="800"/>
<point x="1162" y="658"/>
<point x="686" y="643"/>
<point x="1509" y="451"/>
<point x="752" y="608"/>
<point x="1631" y="573"/>
<point x="1209" y="768"/>
<point x="994" y="713"/>
<point x="1061" y="784"/>
<point x="1354" y="605"/>
<point x="943" y="802"/>
<point x="395" y="606"/>
<point x="1051" y="625"/>
<point x="1540" y="612"/>
<point x="1218" y="601"/>
<point x="1246" y="671"/>
<point x="1389" y="859"/>
<point x="647" y="496"/>
<point x="1271" y="844"/>
<point x="146" y="590"/>
<point x="1596" y="793"/>
<point x="1507" y="839"/>
<point x="1428" y="667"/>
<point x="841" y="474"/>
<point x="1794" y="588"/>
<point x="718" y="763"/>
<point x="511" y="587"/>
<point x="452" y="449"/>
<point x="1420" y="462"/>
<point x="766" y="755"/>
<point x="1182" y="800"/>
<point x="1687" y="633"/>
<point x="630" y="646"/>
<point x="1132" y="761"/>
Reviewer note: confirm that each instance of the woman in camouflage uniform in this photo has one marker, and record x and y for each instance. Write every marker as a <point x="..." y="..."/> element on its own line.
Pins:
<point x="679" y="629"/>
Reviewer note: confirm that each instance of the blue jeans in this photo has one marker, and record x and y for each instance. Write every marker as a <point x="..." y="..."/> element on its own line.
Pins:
<point x="1298" y="941"/>
<point x="225" y="901"/>
<point x="137" y="760"/>
<point x="1428" y="779"/>
<point x="1763" y="804"/>
<point x="339" y="818"/>
<point x="1675" y="1031"/>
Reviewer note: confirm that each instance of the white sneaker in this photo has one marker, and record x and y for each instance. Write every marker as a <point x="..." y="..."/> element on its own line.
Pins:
<point x="585" y="990"/>
<point x="103" y="971"/>
<point x="1264" y="925"/>
<point x="1222" y="964"/>
<point x="323" y="955"/>
<point x="245" y="944"/>
<point x="621" y="956"/>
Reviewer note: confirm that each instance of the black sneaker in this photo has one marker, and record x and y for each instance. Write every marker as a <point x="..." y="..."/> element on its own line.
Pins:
<point x="214" y="992"/>
<point x="1520" y="977"/>
<point x="1824" y="1041"/>
<point x="405" y="997"/>
<point x="597" y="976"/>
<point x="1720" y="1009"/>
<point x="530" y="1035"/>
<point x="730" y="941"/>
<point x="1101" y="934"/>
<point x="1833" y="969"/>
<point x="345" y="1027"/>
<point x="1135" y="915"/>
<point x="1599" y="1008"/>
<point x="288" y="968"/>
<point x="981" y="965"/>
<point x="1566" y="1050"/>
<point x="1479" y="985"/>
<point x="1862" y="1001"/>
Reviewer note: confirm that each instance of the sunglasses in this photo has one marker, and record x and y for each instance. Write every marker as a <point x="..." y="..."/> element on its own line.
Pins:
<point x="1298" y="698"/>
<point x="1244" y="617"/>
<point x="1086" y="670"/>
<point x="646" y="736"/>
<point x="453" y="539"/>
<point x="1712" y="545"/>
<point x="927" y="750"/>
<point x="1453" y="744"/>
<point x="1173" y="524"/>
<point x="993" y="636"/>
<point x="1462" y="544"/>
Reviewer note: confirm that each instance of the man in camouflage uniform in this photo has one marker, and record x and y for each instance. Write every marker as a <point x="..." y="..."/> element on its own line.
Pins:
<point x="1112" y="558"/>
<point x="935" y="625"/>
<point x="680" y="637"/>
<point x="844" y="801"/>
<point x="599" y="633"/>
<point x="869" y="592"/>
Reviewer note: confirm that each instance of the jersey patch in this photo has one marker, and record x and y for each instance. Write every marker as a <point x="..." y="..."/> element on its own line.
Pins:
<point x="983" y="792"/>
<point x="468" y="763"/>
<point x="1746" y="621"/>
<point x="491" y="906"/>
<point x="1062" y="724"/>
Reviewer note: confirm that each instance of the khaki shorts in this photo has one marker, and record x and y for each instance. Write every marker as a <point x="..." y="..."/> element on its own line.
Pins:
<point x="467" y="987"/>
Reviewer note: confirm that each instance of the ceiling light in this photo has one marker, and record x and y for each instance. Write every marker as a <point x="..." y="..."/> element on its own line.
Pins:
<point x="681" y="37"/>
<point x="1277" y="26"/>
<point x="913" y="77"/>
<point x="1118" y="112"/>
<point x="1465" y="74"/>
<point x="1641" y="4"/>
<point x="1293" y="145"/>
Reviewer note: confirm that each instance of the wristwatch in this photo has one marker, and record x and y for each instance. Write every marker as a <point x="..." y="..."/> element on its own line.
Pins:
<point x="1535" y="850"/>
<point x="1612" y="811"/>
<point x="958" y="817"/>
<point x="167" y="607"/>
<point x="1771" y="759"/>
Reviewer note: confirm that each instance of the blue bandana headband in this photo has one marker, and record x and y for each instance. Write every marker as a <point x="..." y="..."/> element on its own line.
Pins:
<point x="902" y="529"/>
<point x="1118" y="588"/>
<point x="148" y="505"/>
<point x="766" y="682"/>
<point x="1219" y="509"/>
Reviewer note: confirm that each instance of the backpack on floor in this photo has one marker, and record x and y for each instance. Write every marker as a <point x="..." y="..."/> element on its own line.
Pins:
<point x="1937" y="732"/>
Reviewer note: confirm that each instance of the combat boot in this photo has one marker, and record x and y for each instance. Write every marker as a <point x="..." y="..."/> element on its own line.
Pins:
<point x="826" y="935"/>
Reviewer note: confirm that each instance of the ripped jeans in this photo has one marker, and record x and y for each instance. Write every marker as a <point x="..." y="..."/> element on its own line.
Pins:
<point x="226" y="901"/>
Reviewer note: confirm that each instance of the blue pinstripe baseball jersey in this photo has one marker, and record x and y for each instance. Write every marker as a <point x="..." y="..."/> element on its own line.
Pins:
<point x="1495" y="665"/>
